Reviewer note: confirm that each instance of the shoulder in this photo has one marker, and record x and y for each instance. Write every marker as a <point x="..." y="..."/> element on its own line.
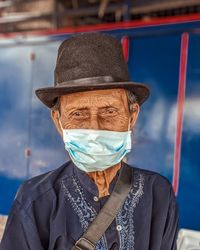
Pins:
<point x="153" y="181"/>
<point x="38" y="186"/>
<point x="156" y="187"/>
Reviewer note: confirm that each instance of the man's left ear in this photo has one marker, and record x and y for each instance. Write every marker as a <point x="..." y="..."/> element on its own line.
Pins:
<point x="134" y="115"/>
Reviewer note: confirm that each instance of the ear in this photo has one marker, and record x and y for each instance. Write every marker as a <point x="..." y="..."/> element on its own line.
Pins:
<point x="55" y="118"/>
<point x="134" y="115"/>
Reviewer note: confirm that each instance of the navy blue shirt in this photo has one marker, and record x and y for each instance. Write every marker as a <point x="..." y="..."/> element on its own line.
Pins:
<point x="51" y="212"/>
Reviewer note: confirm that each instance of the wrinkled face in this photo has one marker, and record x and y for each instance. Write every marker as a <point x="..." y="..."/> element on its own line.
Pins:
<point x="99" y="109"/>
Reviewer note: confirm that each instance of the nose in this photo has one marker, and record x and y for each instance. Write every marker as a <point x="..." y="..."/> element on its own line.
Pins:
<point x="94" y="123"/>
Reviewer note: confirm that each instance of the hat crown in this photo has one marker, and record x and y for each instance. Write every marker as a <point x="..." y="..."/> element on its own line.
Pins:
<point x="90" y="55"/>
<point x="90" y="61"/>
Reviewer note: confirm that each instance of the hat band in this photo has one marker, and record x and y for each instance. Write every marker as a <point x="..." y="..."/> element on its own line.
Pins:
<point x="92" y="80"/>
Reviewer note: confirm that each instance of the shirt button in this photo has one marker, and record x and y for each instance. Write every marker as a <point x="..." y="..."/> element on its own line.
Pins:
<point x="95" y="198"/>
<point x="119" y="227"/>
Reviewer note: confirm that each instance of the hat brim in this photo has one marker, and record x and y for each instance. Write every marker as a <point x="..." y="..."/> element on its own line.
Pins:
<point x="49" y="95"/>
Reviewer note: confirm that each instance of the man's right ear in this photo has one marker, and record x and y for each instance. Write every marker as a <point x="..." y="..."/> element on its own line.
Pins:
<point x="55" y="117"/>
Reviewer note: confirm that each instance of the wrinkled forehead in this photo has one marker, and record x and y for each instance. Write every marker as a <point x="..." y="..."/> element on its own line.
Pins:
<point x="95" y="98"/>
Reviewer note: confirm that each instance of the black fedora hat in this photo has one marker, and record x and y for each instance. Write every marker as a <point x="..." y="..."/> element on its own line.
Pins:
<point x="90" y="61"/>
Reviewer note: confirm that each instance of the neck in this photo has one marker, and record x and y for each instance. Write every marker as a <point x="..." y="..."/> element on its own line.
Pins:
<point x="103" y="178"/>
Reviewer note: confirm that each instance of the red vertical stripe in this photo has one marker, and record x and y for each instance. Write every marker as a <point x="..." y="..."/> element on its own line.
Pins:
<point x="125" y="47"/>
<point x="180" y="106"/>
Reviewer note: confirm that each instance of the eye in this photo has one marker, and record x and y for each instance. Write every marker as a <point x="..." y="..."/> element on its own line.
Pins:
<point x="80" y="114"/>
<point x="109" y="112"/>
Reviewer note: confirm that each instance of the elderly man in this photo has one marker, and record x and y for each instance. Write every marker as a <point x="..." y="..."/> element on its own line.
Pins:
<point x="96" y="200"/>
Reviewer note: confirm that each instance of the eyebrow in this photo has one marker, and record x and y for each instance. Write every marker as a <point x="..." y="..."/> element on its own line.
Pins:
<point x="84" y="108"/>
<point x="76" y="108"/>
<point x="87" y="108"/>
<point x="108" y="106"/>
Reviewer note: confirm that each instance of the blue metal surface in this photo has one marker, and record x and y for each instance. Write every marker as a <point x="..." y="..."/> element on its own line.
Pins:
<point x="14" y="71"/>
<point x="154" y="59"/>
<point x="25" y="122"/>
<point x="189" y="190"/>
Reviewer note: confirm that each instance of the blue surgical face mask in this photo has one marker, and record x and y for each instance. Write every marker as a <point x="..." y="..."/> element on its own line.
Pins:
<point x="96" y="150"/>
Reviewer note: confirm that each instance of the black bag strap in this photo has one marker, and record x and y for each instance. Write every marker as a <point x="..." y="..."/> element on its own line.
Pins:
<point x="109" y="211"/>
